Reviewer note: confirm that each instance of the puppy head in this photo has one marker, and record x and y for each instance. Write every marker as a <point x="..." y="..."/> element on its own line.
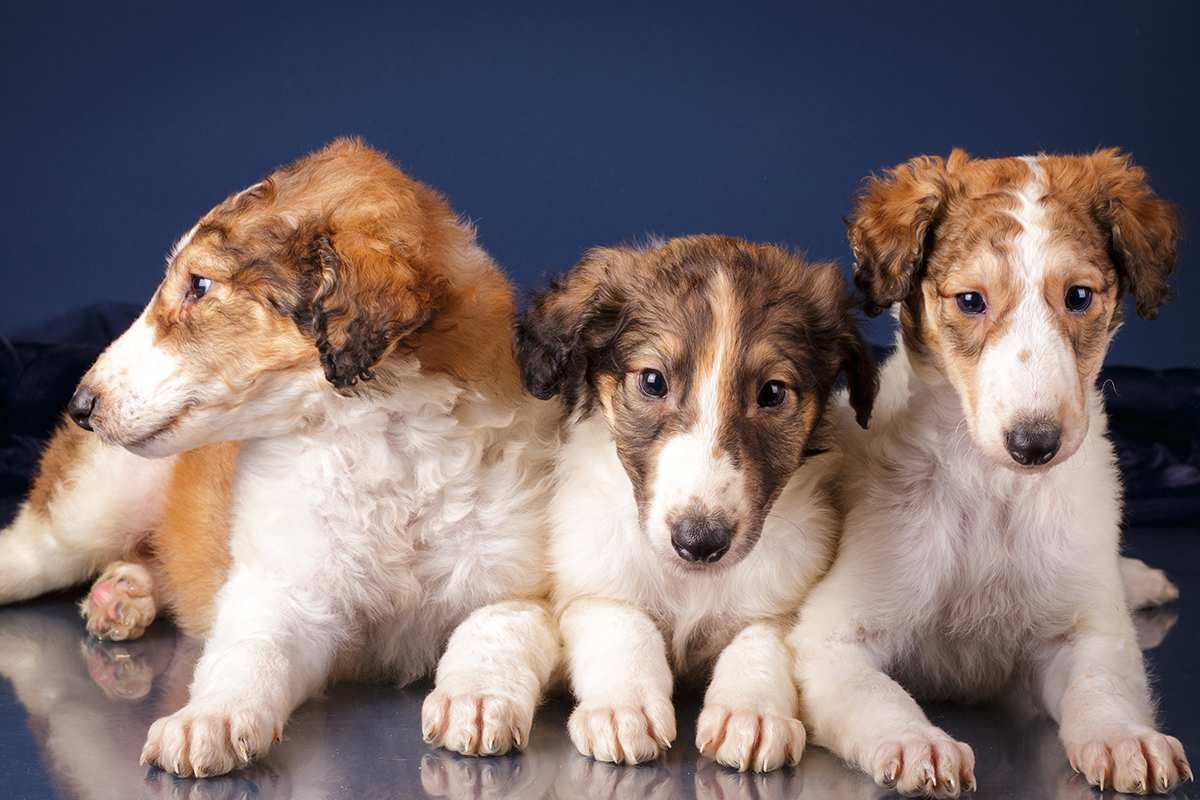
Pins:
<point x="295" y="287"/>
<point x="1010" y="274"/>
<point x="712" y="360"/>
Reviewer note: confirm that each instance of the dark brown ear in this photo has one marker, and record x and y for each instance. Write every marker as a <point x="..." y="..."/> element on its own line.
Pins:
<point x="577" y="314"/>
<point x="889" y="225"/>
<point x="364" y="297"/>
<point x="1144" y="229"/>
<point x="862" y="378"/>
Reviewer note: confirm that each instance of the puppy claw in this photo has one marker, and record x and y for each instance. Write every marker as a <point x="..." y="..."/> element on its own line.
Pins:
<point x="623" y="734"/>
<point x="475" y="723"/>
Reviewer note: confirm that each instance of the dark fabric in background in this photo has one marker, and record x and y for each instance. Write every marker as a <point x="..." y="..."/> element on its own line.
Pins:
<point x="1154" y="415"/>
<point x="558" y="126"/>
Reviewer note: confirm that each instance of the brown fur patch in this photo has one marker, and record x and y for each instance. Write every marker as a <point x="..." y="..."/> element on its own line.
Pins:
<point x="191" y="544"/>
<point x="63" y="452"/>
<point x="339" y="258"/>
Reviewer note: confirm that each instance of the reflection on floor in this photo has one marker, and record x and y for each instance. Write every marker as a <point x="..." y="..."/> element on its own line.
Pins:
<point x="73" y="714"/>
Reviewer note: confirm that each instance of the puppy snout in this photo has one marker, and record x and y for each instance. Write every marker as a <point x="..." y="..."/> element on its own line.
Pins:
<point x="82" y="406"/>
<point x="1033" y="443"/>
<point x="701" y="539"/>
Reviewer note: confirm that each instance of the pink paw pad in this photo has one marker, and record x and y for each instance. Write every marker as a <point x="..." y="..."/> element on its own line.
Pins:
<point x="119" y="605"/>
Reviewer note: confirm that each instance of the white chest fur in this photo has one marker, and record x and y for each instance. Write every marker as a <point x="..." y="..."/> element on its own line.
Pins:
<point x="598" y="549"/>
<point x="982" y="561"/>
<point x="410" y="509"/>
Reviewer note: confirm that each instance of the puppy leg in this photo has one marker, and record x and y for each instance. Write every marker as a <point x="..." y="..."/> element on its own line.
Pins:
<point x="271" y="647"/>
<point x="490" y="679"/>
<point x="1094" y="683"/>
<point x="121" y="603"/>
<point x="854" y="709"/>
<point x="1145" y="586"/>
<point x="90" y="504"/>
<point x="618" y="667"/>
<point x="749" y="716"/>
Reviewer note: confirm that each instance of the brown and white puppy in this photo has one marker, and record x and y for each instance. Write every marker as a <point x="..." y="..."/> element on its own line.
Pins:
<point x="984" y="506"/>
<point x="693" y="503"/>
<point x="344" y="465"/>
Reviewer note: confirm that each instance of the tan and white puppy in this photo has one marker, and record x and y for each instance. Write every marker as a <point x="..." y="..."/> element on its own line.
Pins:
<point x="315" y="446"/>
<point x="693" y="506"/>
<point x="980" y="547"/>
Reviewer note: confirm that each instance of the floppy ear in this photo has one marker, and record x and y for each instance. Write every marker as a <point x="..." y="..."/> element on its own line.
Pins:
<point x="564" y="322"/>
<point x="862" y="379"/>
<point x="888" y="228"/>
<point x="363" y="298"/>
<point x="1143" y="229"/>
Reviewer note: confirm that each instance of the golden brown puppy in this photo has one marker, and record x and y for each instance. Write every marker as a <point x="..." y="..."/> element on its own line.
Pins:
<point x="313" y="448"/>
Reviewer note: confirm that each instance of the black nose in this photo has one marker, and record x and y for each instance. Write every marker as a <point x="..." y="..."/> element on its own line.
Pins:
<point x="697" y="538"/>
<point x="1033" y="443"/>
<point x="80" y="409"/>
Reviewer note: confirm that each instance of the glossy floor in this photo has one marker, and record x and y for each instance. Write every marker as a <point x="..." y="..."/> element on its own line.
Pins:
<point x="73" y="714"/>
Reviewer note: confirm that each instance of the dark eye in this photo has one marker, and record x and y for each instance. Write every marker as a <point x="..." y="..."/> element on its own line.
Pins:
<point x="971" y="302"/>
<point x="1079" y="299"/>
<point x="199" y="287"/>
<point x="652" y="383"/>
<point x="771" y="394"/>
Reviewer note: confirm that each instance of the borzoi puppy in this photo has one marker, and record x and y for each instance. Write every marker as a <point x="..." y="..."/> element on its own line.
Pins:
<point x="693" y="505"/>
<point x="341" y="324"/>
<point x="980" y="546"/>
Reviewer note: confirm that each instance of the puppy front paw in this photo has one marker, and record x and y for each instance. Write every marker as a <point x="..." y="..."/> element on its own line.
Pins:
<point x="476" y="723"/>
<point x="632" y="732"/>
<point x="120" y="605"/>
<point x="923" y="762"/>
<point x="200" y="742"/>
<point x="1133" y="760"/>
<point x="747" y="740"/>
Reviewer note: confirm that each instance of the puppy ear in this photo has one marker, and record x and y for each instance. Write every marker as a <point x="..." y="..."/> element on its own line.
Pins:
<point x="363" y="297"/>
<point x="836" y="327"/>
<point x="563" y="322"/>
<point x="892" y="218"/>
<point x="1143" y="228"/>
<point x="862" y="378"/>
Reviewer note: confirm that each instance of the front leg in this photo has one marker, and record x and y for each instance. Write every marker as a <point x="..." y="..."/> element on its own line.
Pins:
<point x="1094" y="683"/>
<point x="749" y="716"/>
<point x="490" y="679"/>
<point x="271" y="647"/>
<point x="617" y="662"/>
<point x="857" y="711"/>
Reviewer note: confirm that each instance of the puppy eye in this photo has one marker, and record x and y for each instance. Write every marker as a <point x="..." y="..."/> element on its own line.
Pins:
<point x="971" y="302"/>
<point x="771" y="394"/>
<point x="1079" y="299"/>
<point x="199" y="287"/>
<point x="652" y="383"/>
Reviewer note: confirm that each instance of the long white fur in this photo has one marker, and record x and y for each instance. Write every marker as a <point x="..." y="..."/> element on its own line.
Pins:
<point x="359" y="542"/>
<point x="960" y="576"/>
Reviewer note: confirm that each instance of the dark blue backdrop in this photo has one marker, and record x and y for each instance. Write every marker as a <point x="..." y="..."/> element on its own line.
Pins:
<point x="558" y="128"/>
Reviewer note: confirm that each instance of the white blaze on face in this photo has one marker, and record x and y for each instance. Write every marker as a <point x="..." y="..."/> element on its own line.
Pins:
<point x="1028" y="371"/>
<point x="139" y="386"/>
<point x="693" y="472"/>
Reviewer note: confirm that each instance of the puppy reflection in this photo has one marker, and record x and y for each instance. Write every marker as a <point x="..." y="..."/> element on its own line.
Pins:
<point x="89" y="704"/>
